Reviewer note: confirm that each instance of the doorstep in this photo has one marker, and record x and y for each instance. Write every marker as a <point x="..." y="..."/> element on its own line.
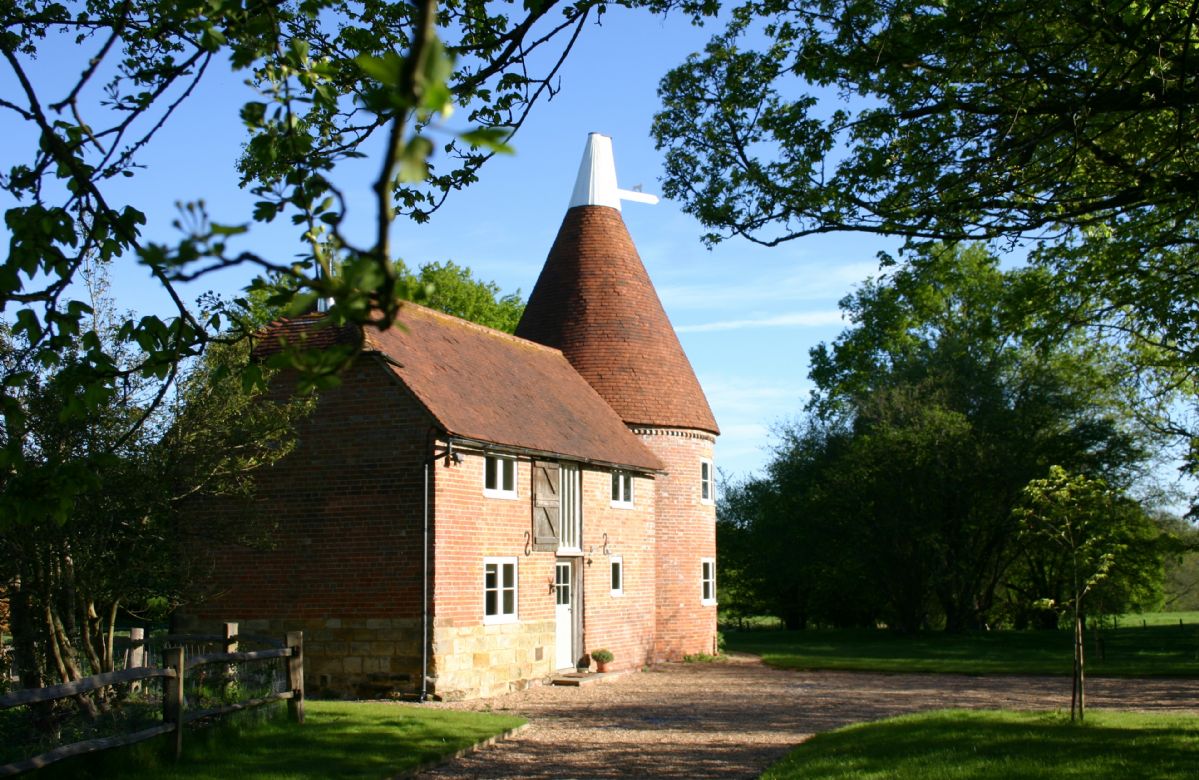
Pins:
<point x="577" y="679"/>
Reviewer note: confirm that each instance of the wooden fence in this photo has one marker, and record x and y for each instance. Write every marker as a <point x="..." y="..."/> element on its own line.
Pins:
<point x="174" y="671"/>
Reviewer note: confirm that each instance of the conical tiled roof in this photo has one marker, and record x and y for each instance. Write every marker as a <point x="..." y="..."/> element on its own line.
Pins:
<point x="594" y="301"/>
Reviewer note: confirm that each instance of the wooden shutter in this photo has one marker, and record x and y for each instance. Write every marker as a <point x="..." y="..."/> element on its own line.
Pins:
<point x="546" y="503"/>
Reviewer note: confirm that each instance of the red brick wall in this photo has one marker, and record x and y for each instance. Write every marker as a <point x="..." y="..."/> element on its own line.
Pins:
<point x="346" y="566"/>
<point x="474" y="659"/>
<point x="470" y="527"/>
<point x="685" y="533"/>
<point x="346" y="507"/>
<point x="623" y="624"/>
<point x="470" y="659"/>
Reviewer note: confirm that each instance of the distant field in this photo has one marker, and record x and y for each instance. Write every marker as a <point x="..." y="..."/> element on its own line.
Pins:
<point x="1158" y="649"/>
<point x="1158" y="619"/>
<point x="959" y="745"/>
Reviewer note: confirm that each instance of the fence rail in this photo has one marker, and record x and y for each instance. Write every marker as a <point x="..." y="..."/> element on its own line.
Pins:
<point x="86" y="685"/>
<point x="174" y="711"/>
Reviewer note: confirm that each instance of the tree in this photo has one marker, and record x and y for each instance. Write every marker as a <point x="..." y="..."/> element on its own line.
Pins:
<point x="112" y="545"/>
<point x="937" y="367"/>
<point x="1069" y="124"/>
<point x="331" y="77"/>
<point x="782" y="544"/>
<point x="446" y="287"/>
<point x="1095" y="529"/>
<point x="454" y="290"/>
<point x="931" y="412"/>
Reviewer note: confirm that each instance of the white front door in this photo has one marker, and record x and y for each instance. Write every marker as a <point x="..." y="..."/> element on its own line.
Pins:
<point x="564" y="613"/>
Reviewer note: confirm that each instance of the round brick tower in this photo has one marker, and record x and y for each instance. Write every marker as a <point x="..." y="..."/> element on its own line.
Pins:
<point x="595" y="302"/>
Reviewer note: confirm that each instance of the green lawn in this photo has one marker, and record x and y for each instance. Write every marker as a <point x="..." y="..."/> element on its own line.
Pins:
<point x="961" y="745"/>
<point x="1163" y="650"/>
<point x="337" y="740"/>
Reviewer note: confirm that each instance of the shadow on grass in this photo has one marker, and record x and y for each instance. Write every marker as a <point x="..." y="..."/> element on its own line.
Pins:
<point x="338" y="740"/>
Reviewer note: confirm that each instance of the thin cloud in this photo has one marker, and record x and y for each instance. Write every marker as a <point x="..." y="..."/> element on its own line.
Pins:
<point x="816" y="283"/>
<point x="803" y="319"/>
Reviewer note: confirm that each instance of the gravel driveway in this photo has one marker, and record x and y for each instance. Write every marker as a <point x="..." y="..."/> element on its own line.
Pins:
<point x="734" y="719"/>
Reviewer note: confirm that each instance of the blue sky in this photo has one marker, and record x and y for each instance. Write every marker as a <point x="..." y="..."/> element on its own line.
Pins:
<point x="746" y="315"/>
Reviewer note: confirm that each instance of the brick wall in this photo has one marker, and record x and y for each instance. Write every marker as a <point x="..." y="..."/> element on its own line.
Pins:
<point x="623" y="624"/>
<point x="472" y="658"/>
<point x="685" y="534"/>
<point x="346" y="509"/>
<point x="345" y="565"/>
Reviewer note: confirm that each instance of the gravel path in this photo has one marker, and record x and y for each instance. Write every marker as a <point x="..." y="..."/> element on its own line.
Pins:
<point x="732" y="720"/>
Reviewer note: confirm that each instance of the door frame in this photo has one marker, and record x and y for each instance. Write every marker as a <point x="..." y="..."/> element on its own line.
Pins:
<point x="576" y="609"/>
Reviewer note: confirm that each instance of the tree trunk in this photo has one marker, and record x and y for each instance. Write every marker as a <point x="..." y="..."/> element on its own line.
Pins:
<point x="1082" y="677"/>
<point x="28" y="662"/>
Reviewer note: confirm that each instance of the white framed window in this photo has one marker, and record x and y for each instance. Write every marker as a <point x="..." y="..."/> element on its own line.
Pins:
<point x="499" y="476"/>
<point x="499" y="590"/>
<point x="617" y="568"/>
<point x="707" y="482"/>
<point x="622" y="489"/>
<point x="707" y="580"/>
<point x="570" y="510"/>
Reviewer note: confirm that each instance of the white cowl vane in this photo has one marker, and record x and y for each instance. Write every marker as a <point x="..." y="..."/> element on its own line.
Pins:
<point x="596" y="184"/>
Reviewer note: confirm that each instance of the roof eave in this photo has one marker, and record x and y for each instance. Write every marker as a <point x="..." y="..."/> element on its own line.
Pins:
<point x="486" y="446"/>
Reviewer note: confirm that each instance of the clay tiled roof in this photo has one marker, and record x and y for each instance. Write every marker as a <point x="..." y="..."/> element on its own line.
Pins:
<point x="304" y="331"/>
<point x="594" y="301"/>
<point x="489" y="386"/>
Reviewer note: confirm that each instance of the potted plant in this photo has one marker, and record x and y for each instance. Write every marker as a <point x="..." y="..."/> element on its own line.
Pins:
<point x="602" y="658"/>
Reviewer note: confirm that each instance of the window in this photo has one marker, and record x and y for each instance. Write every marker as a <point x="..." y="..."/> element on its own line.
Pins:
<point x="499" y="590"/>
<point x="622" y="489"/>
<point x="617" y="575"/>
<point x="499" y="477"/>
<point x="707" y="482"/>
<point x="571" y="510"/>
<point x="707" y="591"/>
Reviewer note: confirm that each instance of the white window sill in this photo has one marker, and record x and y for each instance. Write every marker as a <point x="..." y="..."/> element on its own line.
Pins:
<point x="491" y="620"/>
<point x="622" y="505"/>
<point x="506" y="495"/>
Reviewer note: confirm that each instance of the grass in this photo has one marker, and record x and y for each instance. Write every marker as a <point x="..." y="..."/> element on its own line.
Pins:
<point x="337" y="740"/>
<point x="962" y="745"/>
<point x="1158" y="650"/>
<point x="1158" y="619"/>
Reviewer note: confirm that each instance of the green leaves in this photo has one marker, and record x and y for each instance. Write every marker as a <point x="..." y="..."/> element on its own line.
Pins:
<point x="330" y="79"/>
<point x="401" y="85"/>
<point x="1072" y="130"/>
<point x="387" y="70"/>
<point x="414" y="159"/>
<point x="494" y="139"/>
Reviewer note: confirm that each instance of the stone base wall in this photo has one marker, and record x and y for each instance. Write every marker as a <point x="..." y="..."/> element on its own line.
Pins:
<point x="487" y="660"/>
<point x="343" y="657"/>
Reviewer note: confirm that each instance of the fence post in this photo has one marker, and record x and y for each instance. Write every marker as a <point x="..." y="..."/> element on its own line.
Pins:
<point x="172" y="696"/>
<point x="137" y="648"/>
<point x="135" y="657"/>
<point x="230" y="647"/>
<point x="295" y="676"/>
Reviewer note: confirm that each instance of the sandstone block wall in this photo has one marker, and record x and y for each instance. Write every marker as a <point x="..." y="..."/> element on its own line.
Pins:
<point x="354" y="657"/>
